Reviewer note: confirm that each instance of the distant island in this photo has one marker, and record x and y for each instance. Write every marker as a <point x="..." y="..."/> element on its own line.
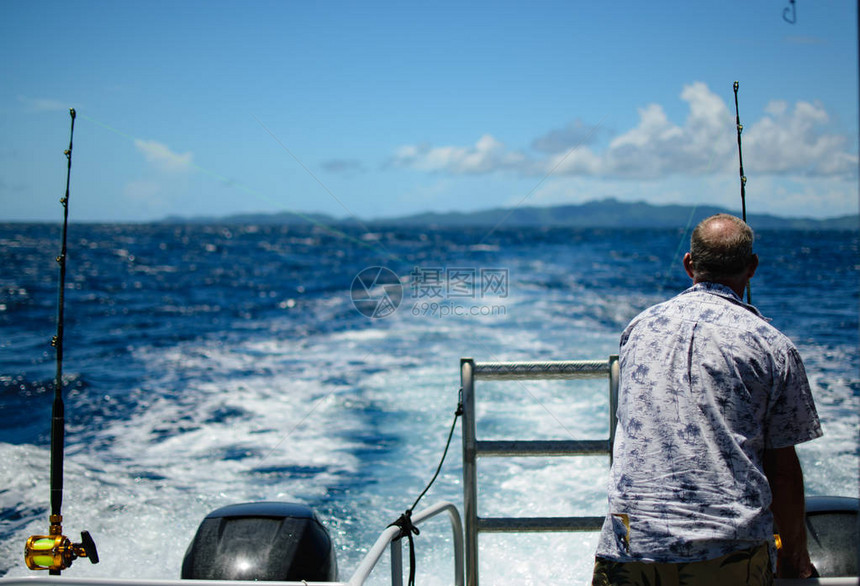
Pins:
<point x="606" y="213"/>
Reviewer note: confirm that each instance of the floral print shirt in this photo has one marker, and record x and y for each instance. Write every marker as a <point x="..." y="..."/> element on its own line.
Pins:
<point x="707" y="384"/>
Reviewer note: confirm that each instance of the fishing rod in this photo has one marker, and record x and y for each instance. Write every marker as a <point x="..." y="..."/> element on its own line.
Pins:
<point x="55" y="552"/>
<point x="743" y="177"/>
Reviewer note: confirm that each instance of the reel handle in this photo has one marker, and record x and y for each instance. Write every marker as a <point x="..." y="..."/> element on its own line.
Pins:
<point x="87" y="548"/>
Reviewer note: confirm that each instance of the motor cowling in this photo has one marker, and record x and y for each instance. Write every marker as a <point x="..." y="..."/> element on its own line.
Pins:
<point x="832" y="534"/>
<point x="261" y="541"/>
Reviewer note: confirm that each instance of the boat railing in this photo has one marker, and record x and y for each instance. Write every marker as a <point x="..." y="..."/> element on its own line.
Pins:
<point x="388" y="539"/>
<point x="63" y="580"/>
<point x="471" y="371"/>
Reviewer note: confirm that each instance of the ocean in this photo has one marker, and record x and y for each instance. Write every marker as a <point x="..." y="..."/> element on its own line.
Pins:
<point x="207" y="365"/>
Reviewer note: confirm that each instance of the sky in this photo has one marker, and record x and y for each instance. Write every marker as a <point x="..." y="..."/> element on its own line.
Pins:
<point x="382" y="109"/>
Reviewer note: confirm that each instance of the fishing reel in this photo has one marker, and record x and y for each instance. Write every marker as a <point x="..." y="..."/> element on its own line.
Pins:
<point x="56" y="552"/>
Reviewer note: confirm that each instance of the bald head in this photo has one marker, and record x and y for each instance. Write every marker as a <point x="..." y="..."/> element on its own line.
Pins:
<point x="721" y="251"/>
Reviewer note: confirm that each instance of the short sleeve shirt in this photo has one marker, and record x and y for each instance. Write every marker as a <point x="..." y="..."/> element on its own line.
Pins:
<point x="707" y="384"/>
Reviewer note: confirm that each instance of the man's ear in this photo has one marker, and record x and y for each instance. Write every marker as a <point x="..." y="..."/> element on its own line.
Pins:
<point x="688" y="265"/>
<point x="752" y="266"/>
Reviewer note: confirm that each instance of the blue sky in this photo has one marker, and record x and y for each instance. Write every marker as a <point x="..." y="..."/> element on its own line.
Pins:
<point x="380" y="109"/>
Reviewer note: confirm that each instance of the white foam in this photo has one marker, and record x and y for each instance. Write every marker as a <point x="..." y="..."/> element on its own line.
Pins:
<point x="365" y="413"/>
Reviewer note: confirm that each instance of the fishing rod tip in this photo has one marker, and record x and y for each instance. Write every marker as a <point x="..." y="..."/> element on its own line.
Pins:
<point x="736" y="86"/>
<point x="72" y="113"/>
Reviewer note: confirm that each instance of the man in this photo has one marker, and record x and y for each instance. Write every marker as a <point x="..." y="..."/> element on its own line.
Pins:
<point x="712" y="400"/>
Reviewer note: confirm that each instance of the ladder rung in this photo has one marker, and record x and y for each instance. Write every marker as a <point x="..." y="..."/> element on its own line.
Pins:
<point x="542" y="448"/>
<point x="538" y="524"/>
<point x="557" y="369"/>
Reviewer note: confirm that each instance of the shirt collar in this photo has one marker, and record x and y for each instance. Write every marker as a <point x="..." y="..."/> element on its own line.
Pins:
<point x="726" y="292"/>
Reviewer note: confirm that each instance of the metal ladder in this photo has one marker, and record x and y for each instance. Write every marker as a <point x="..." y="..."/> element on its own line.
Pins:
<point x="470" y="371"/>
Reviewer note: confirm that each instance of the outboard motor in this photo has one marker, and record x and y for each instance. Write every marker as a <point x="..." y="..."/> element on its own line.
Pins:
<point x="261" y="541"/>
<point x="831" y="531"/>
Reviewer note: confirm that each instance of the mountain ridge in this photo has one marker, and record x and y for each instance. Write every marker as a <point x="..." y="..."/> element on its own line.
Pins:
<point x="604" y="213"/>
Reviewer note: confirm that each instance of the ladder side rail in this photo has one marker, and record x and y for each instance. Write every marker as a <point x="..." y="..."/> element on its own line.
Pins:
<point x="470" y="470"/>
<point x="614" y="380"/>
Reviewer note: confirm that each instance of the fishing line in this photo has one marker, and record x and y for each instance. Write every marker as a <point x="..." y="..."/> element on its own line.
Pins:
<point x="696" y="206"/>
<point x="457" y="415"/>
<point x="667" y="274"/>
<point x="242" y="187"/>
<point x="259" y="195"/>
<point x="308" y="414"/>
<point x="317" y="179"/>
<point x="297" y="425"/>
<point x="692" y="215"/>
<point x="520" y="384"/>
<point x="404" y="522"/>
<point x="544" y="178"/>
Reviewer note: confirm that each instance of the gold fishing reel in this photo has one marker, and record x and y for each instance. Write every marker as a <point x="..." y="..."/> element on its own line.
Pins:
<point x="56" y="552"/>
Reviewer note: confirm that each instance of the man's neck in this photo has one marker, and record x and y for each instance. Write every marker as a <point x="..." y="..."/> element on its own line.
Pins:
<point x="738" y="286"/>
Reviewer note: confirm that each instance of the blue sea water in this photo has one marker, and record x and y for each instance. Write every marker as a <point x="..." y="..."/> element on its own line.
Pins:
<point x="207" y="365"/>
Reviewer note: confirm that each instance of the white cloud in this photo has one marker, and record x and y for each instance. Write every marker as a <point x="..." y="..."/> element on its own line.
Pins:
<point x="816" y="197"/>
<point x="486" y="156"/>
<point x="776" y="107"/>
<point x="141" y="190"/>
<point x="792" y="141"/>
<point x="656" y="147"/>
<point x="161" y="156"/>
<point x="43" y="104"/>
<point x="142" y="199"/>
<point x="570" y="136"/>
<point x="343" y="166"/>
<point x="789" y="141"/>
<point x="576" y="161"/>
